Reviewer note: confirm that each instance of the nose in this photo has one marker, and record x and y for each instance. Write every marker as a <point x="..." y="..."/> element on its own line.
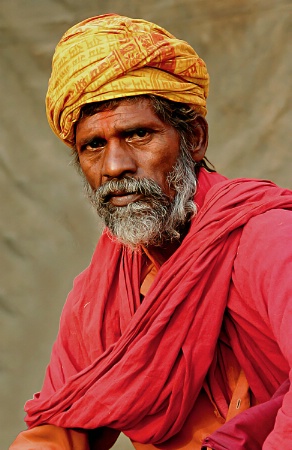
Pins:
<point x="118" y="160"/>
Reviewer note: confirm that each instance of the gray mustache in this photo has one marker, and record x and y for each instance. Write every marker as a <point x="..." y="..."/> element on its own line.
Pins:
<point x="129" y="185"/>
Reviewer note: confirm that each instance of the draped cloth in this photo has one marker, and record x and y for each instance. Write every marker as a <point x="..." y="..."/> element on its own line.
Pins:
<point x="112" y="56"/>
<point x="139" y="368"/>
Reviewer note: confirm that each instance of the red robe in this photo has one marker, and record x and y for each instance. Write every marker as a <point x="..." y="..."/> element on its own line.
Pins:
<point x="231" y="272"/>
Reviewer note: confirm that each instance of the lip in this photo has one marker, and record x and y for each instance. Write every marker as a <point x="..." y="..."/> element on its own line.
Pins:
<point x="124" y="199"/>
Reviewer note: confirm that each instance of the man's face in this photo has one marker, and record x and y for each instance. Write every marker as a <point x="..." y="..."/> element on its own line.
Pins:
<point x="129" y="140"/>
<point x="138" y="177"/>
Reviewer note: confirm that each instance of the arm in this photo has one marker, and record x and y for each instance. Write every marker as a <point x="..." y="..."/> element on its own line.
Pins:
<point x="267" y="241"/>
<point x="279" y="308"/>
<point x="262" y="276"/>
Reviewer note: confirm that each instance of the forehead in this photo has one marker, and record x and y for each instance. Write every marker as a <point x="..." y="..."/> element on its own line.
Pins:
<point x="125" y="114"/>
<point x="131" y="107"/>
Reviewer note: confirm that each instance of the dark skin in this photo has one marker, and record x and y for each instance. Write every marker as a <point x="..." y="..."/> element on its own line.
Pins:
<point x="132" y="140"/>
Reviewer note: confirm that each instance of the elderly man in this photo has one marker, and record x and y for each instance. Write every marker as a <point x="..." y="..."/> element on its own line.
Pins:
<point x="178" y="332"/>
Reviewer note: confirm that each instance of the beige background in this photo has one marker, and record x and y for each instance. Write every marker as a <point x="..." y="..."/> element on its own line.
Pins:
<point x="48" y="231"/>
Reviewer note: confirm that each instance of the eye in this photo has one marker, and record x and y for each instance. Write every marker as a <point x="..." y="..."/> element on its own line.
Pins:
<point x="138" y="134"/>
<point x="94" y="144"/>
<point x="141" y="132"/>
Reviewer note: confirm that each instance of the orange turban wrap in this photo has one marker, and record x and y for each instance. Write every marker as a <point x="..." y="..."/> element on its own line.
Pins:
<point x="112" y="56"/>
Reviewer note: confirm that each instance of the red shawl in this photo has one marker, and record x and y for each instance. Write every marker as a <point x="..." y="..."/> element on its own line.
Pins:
<point x="139" y="368"/>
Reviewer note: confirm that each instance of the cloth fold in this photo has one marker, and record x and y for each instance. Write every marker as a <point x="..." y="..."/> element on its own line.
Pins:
<point x="102" y="366"/>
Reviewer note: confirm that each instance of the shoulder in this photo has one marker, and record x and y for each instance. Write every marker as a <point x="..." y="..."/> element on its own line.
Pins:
<point x="263" y="264"/>
<point x="270" y="231"/>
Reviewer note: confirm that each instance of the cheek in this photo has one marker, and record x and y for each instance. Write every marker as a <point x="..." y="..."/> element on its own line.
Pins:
<point x="168" y="151"/>
<point x="161" y="173"/>
<point x="91" y="172"/>
<point x="167" y="165"/>
<point x="170" y="157"/>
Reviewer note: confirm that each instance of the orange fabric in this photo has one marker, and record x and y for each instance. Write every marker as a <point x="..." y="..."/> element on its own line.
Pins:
<point x="148" y="279"/>
<point x="149" y="270"/>
<point x="51" y="437"/>
<point x="241" y="397"/>
<point x="112" y="56"/>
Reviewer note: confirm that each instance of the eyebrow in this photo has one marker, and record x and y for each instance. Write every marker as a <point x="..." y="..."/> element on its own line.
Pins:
<point x="136" y="125"/>
<point x="120" y="129"/>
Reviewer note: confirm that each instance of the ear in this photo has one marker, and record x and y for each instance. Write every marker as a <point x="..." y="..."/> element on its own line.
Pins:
<point x="200" y="138"/>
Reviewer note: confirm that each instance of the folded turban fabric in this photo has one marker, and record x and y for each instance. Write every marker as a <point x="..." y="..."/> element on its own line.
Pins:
<point x="112" y="56"/>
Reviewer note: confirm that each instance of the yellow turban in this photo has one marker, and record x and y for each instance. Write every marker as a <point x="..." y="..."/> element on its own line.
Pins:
<point x="112" y="56"/>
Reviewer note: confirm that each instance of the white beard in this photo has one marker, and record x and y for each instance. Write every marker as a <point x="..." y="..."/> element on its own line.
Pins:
<point x="155" y="219"/>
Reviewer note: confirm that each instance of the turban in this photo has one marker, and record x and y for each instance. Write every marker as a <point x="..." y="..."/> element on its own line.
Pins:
<point x="112" y="56"/>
